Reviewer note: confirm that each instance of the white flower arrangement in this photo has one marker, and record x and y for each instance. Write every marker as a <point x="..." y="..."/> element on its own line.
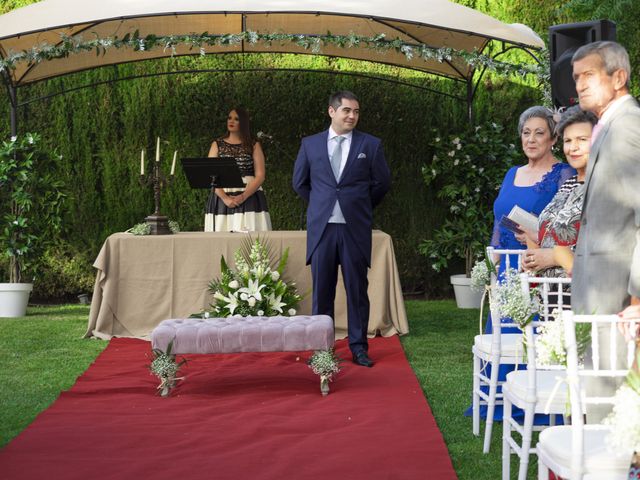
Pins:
<point x="256" y="288"/>
<point x="481" y="274"/>
<point x="145" y="228"/>
<point x="624" y="420"/>
<point x="515" y="303"/>
<point x="551" y="347"/>
<point x="550" y="344"/>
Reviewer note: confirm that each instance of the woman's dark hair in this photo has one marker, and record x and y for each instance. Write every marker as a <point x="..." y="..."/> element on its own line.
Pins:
<point x="245" y="128"/>
<point x="574" y="115"/>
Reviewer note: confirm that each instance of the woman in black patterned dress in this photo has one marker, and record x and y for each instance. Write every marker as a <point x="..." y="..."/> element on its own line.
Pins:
<point x="239" y="209"/>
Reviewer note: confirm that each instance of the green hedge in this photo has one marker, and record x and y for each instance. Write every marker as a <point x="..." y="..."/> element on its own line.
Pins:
<point x="100" y="131"/>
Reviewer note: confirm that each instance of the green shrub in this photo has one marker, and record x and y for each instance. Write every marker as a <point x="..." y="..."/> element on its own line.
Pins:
<point x="64" y="273"/>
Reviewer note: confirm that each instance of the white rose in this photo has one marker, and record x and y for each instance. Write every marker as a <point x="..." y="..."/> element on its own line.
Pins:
<point x="234" y="284"/>
<point x="292" y="312"/>
<point x="260" y="313"/>
<point x="244" y="297"/>
<point x="275" y="276"/>
<point x="252" y="302"/>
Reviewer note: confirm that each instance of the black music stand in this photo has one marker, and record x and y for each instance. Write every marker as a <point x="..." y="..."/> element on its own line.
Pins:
<point x="212" y="173"/>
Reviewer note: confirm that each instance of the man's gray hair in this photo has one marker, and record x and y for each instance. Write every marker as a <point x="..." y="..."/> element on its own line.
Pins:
<point x="537" y="111"/>
<point x="613" y="56"/>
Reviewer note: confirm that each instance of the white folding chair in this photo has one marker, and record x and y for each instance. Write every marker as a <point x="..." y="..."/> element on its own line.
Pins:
<point x="579" y="451"/>
<point x="533" y="390"/>
<point x="493" y="349"/>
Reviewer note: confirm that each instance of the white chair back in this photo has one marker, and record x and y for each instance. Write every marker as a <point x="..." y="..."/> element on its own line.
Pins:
<point x="503" y="255"/>
<point x="494" y="357"/>
<point x="552" y="296"/>
<point x="522" y="388"/>
<point x="600" y="367"/>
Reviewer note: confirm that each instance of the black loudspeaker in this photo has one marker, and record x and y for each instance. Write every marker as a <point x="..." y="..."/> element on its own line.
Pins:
<point x="564" y="40"/>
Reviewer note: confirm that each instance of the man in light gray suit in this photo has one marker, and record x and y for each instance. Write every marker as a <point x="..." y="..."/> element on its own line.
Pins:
<point x="606" y="270"/>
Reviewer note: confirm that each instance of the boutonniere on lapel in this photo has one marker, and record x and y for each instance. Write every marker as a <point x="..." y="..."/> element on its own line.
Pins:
<point x="362" y="155"/>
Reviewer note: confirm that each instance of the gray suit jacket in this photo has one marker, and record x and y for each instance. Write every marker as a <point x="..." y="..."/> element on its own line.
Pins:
<point x="606" y="270"/>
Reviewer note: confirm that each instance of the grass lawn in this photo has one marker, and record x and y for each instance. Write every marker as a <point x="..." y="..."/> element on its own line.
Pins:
<point x="43" y="353"/>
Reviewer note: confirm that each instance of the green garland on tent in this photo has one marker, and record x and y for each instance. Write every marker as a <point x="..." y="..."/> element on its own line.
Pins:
<point x="314" y="43"/>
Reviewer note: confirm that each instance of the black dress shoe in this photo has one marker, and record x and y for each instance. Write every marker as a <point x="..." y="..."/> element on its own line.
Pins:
<point x="361" y="358"/>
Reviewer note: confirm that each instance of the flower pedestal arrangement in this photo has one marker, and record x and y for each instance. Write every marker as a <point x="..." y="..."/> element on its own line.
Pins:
<point x="466" y="297"/>
<point x="14" y="298"/>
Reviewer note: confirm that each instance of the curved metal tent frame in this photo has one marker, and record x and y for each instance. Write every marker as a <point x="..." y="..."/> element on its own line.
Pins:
<point x="437" y="24"/>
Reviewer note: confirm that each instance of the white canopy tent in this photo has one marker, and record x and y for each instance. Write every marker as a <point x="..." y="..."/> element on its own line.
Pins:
<point x="434" y="23"/>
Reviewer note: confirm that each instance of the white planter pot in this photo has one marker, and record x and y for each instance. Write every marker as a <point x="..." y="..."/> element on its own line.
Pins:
<point x="14" y="298"/>
<point x="465" y="297"/>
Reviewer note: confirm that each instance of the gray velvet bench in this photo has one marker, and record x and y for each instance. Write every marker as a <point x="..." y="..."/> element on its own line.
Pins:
<point x="243" y="334"/>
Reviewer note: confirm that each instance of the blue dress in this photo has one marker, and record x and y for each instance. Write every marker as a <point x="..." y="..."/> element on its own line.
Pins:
<point x="533" y="199"/>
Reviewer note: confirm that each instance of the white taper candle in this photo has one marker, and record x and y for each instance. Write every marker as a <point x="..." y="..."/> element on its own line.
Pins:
<point x="173" y="165"/>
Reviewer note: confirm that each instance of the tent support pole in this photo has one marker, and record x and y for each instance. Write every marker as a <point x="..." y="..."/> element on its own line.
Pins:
<point x="470" y="115"/>
<point x="12" y="92"/>
<point x="13" y="112"/>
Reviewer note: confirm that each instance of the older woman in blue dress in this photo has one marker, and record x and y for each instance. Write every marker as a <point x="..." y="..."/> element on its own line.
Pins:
<point x="530" y="186"/>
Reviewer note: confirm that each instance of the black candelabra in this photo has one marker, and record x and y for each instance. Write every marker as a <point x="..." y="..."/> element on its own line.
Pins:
<point x="158" y="223"/>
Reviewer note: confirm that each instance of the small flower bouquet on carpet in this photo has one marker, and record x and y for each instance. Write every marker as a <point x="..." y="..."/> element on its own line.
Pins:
<point x="325" y="364"/>
<point x="165" y="367"/>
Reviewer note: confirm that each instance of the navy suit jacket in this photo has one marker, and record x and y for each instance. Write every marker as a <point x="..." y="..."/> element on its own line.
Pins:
<point x="364" y="181"/>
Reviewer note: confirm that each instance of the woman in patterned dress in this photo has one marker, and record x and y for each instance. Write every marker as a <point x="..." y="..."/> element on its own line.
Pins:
<point x="559" y="222"/>
<point x="239" y="209"/>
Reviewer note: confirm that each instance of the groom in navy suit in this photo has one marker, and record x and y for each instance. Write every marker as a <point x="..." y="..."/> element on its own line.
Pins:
<point x="343" y="175"/>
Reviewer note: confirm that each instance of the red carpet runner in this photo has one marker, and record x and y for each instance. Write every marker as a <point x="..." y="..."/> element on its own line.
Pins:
<point x="236" y="417"/>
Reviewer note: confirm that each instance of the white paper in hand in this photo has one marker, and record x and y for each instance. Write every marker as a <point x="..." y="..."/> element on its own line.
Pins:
<point x="524" y="219"/>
